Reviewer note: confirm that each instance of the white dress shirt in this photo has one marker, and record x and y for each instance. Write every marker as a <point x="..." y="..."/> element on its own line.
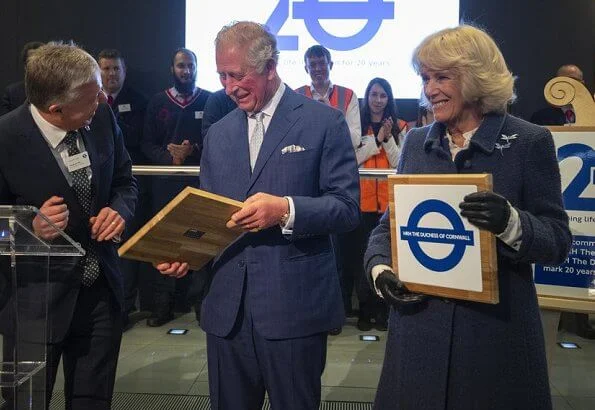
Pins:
<point x="54" y="136"/>
<point x="269" y="110"/>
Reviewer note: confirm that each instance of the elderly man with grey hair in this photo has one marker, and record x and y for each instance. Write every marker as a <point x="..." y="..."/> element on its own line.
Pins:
<point x="64" y="154"/>
<point x="275" y="291"/>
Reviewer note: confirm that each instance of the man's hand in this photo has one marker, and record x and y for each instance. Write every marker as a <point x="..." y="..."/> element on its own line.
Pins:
<point x="486" y="210"/>
<point x="261" y="211"/>
<point x="174" y="269"/>
<point x="57" y="212"/>
<point x="107" y="225"/>
<point x="394" y="291"/>
<point x="180" y="152"/>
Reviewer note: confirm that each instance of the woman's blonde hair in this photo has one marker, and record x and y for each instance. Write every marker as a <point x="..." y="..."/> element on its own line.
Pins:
<point x="475" y="58"/>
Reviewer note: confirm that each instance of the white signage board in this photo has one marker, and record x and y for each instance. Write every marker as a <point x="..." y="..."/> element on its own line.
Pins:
<point x="436" y="246"/>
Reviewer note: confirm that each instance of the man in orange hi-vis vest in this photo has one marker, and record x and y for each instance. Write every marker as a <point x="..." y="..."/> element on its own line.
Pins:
<point x="318" y="65"/>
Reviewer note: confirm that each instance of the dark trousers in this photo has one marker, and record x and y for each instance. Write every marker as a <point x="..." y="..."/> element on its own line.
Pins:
<point x="89" y="351"/>
<point x="135" y="272"/>
<point x="244" y="365"/>
<point x="343" y="246"/>
<point x="371" y="306"/>
<point x="166" y="288"/>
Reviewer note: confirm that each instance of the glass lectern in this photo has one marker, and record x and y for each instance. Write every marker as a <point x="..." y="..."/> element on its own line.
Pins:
<point x="26" y="262"/>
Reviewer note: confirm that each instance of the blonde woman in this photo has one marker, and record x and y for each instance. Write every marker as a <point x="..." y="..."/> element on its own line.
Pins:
<point x="452" y="354"/>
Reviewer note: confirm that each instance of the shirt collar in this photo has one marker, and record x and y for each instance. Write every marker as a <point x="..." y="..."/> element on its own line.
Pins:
<point x="467" y="135"/>
<point x="177" y="95"/>
<point x="485" y="136"/>
<point x="114" y="95"/>
<point x="317" y="96"/>
<point x="52" y="134"/>
<point x="271" y="106"/>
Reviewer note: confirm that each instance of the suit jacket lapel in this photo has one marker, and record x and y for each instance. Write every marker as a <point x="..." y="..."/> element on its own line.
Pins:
<point x="40" y="152"/>
<point x="488" y="133"/>
<point x="283" y="119"/>
<point x="91" y="148"/>
<point x="241" y="146"/>
<point x="42" y="161"/>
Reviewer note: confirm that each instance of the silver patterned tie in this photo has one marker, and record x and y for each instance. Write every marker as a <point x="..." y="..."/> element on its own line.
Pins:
<point x="82" y="188"/>
<point x="257" y="137"/>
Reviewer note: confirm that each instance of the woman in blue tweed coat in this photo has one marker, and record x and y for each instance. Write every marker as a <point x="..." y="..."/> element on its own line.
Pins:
<point x="453" y="354"/>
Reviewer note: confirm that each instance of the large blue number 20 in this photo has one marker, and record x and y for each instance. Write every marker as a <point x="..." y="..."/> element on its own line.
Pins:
<point x="583" y="178"/>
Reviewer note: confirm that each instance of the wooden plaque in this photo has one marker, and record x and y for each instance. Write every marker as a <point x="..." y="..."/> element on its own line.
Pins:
<point x="190" y="228"/>
<point x="489" y="268"/>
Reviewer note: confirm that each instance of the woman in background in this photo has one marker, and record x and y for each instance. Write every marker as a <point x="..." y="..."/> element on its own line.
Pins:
<point x="452" y="354"/>
<point x="383" y="134"/>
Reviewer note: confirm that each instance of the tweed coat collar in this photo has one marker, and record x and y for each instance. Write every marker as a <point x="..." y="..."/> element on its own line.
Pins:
<point x="484" y="139"/>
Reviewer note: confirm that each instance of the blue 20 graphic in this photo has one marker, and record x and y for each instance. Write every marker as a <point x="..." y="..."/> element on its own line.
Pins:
<point x="312" y="11"/>
<point x="583" y="178"/>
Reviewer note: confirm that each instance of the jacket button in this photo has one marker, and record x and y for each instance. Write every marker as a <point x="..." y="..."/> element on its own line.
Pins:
<point x="241" y="264"/>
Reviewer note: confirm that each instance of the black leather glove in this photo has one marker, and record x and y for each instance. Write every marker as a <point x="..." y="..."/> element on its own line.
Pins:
<point x="394" y="291"/>
<point x="486" y="210"/>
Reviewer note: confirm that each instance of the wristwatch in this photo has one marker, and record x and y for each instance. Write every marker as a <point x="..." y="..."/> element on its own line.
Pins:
<point x="285" y="217"/>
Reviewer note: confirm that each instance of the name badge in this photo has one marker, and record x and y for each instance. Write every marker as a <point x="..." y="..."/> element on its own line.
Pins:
<point x="124" y="108"/>
<point x="198" y="115"/>
<point x="78" y="161"/>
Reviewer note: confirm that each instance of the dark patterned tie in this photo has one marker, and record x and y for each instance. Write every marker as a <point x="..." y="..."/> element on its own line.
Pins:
<point x="82" y="188"/>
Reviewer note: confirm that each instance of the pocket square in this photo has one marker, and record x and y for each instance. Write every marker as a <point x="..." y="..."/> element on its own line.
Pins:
<point x="292" y="148"/>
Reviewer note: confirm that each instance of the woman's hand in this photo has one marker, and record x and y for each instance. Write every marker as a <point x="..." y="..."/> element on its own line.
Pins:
<point x="486" y="210"/>
<point x="394" y="292"/>
<point x="385" y="131"/>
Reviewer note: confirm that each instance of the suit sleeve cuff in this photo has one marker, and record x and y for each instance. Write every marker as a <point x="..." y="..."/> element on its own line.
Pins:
<point x="376" y="271"/>
<point x="513" y="233"/>
<point x="287" y="229"/>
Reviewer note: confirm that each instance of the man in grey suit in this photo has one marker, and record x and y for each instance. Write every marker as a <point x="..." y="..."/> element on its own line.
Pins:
<point x="275" y="291"/>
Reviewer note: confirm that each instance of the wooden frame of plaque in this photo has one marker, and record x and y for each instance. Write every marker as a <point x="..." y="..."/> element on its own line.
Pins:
<point x="190" y="228"/>
<point x="489" y="265"/>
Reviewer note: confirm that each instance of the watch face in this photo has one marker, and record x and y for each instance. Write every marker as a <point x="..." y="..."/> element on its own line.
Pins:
<point x="284" y="219"/>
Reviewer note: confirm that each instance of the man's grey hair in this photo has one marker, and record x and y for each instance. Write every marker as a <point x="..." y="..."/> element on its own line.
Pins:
<point x="55" y="71"/>
<point x="256" y="39"/>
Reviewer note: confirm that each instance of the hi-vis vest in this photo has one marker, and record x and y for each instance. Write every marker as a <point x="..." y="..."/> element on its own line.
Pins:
<point x="339" y="98"/>
<point x="374" y="192"/>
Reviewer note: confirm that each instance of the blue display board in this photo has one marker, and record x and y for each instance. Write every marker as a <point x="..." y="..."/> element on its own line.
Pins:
<point x="576" y="276"/>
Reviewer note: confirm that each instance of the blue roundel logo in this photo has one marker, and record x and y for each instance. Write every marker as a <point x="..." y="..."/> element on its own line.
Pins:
<point x="374" y="11"/>
<point x="312" y="11"/>
<point x="457" y="237"/>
